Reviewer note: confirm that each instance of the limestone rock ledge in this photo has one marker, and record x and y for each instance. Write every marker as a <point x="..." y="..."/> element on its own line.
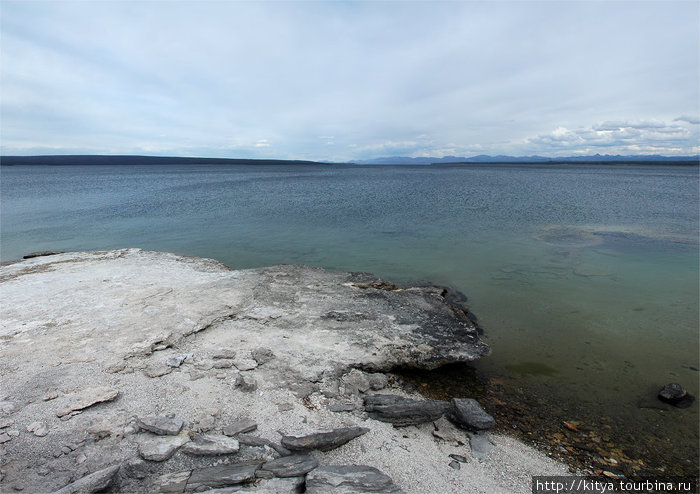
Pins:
<point x="94" y="346"/>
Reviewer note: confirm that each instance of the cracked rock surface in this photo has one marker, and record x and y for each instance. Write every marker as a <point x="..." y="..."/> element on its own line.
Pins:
<point x="102" y="351"/>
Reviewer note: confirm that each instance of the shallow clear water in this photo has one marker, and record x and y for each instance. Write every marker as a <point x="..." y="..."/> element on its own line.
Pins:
<point x="584" y="277"/>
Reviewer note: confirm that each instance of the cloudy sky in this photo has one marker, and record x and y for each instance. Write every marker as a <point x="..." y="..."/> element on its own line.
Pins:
<point x="349" y="80"/>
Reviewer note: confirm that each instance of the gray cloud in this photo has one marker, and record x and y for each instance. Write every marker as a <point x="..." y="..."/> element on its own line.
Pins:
<point x="416" y="78"/>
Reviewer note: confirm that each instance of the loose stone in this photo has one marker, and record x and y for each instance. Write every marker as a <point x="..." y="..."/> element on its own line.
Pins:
<point x="95" y="482"/>
<point x="323" y="440"/>
<point x="676" y="395"/>
<point x="174" y="483"/>
<point x="468" y="414"/>
<point x="38" y="429"/>
<point x="221" y="476"/>
<point x="211" y="444"/>
<point x="160" y="448"/>
<point x="349" y="478"/>
<point x="454" y="464"/>
<point x="402" y="411"/>
<point x="161" y="425"/>
<point x="242" y="425"/>
<point x="287" y="466"/>
<point x="89" y="397"/>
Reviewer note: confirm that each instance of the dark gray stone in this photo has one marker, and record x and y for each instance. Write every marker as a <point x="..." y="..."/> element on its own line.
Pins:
<point x="242" y="425"/>
<point x="211" y="444"/>
<point x="222" y="476"/>
<point x="402" y="411"/>
<point x="454" y="464"/>
<point x="256" y="441"/>
<point x="135" y="468"/>
<point x="676" y="395"/>
<point x="287" y="466"/>
<point x="458" y="458"/>
<point x="323" y="440"/>
<point x="161" y="425"/>
<point x="341" y="407"/>
<point x="349" y="478"/>
<point x="95" y="482"/>
<point x="262" y="355"/>
<point x="468" y="414"/>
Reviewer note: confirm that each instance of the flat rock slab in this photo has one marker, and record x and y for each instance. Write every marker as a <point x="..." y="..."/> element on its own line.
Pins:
<point x="160" y="448"/>
<point x="291" y="485"/>
<point x="211" y="444"/>
<point x="239" y="426"/>
<point x="349" y="479"/>
<point x="95" y="482"/>
<point x="161" y="425"/>
<point x="221" y="476"/>
<point x="287" y="466"/>
<point x="88" y="397"/>
<point x="402" y="411"/>
<point x="411" y="326"/>
<point x="468" y="414"/>
<point x="323" y="440"/>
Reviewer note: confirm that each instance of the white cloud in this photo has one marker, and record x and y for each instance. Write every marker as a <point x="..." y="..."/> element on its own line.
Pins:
<point x="344" y="80"/>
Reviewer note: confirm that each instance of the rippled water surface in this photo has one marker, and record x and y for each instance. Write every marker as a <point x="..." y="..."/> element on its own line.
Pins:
<point x="585" y="277"/>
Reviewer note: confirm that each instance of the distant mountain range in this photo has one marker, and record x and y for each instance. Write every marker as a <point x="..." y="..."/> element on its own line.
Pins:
<point x="392" y="160"/>
<point x="483" y="158"/>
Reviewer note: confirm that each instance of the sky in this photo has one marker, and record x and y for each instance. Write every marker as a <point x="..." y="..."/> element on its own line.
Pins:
<point x="338" y="81"/>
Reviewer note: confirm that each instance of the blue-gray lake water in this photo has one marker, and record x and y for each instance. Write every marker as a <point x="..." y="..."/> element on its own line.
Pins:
<point x="584" y="277"/>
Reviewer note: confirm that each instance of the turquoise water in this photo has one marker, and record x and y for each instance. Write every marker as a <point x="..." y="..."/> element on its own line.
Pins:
<point x="584" y="277"/>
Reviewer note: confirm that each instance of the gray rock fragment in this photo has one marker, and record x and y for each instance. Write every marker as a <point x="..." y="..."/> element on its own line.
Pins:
<point x="242" y="425"/>
<point x="211" y="444"/>
<point x="341" y="407"/>
<point x="288" y="485"/>
<point x="224" y="353"/>
<point x="135" y="468"/>
<point x="38" y="429"/>
<point x="223" y="364"/>
<point x="157" y="370"/>
<point x="160" y="448"/>
<point x="349" y="479"/>
<point x="89" y="397"/>
<point x="454" y="464"/>
<point x="177" y="360"/>
<point x="287" y="466"/>
<point x="94" y="482"/>
<point x="458" y="458"/>
<point x="468" y="414"/>
<point x="161" y="425"/>
<point x="173" y="483"/>
<point x="481" y="445"/>
<point x="221" y="476"/>
<point x="402" y="411"/>
<point x="256" y="441"/>
<point x="4" y="437"/>
<point x="262" y="355"/>
<point x="323" y="440"/>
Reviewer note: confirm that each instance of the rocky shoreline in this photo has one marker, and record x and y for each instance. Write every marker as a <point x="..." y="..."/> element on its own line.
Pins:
<point x="135" y="371"/>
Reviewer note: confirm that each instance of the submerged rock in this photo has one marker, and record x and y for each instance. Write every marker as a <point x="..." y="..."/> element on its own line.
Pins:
<point x="402" y="411"/>
<point x="676" y="395"/>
